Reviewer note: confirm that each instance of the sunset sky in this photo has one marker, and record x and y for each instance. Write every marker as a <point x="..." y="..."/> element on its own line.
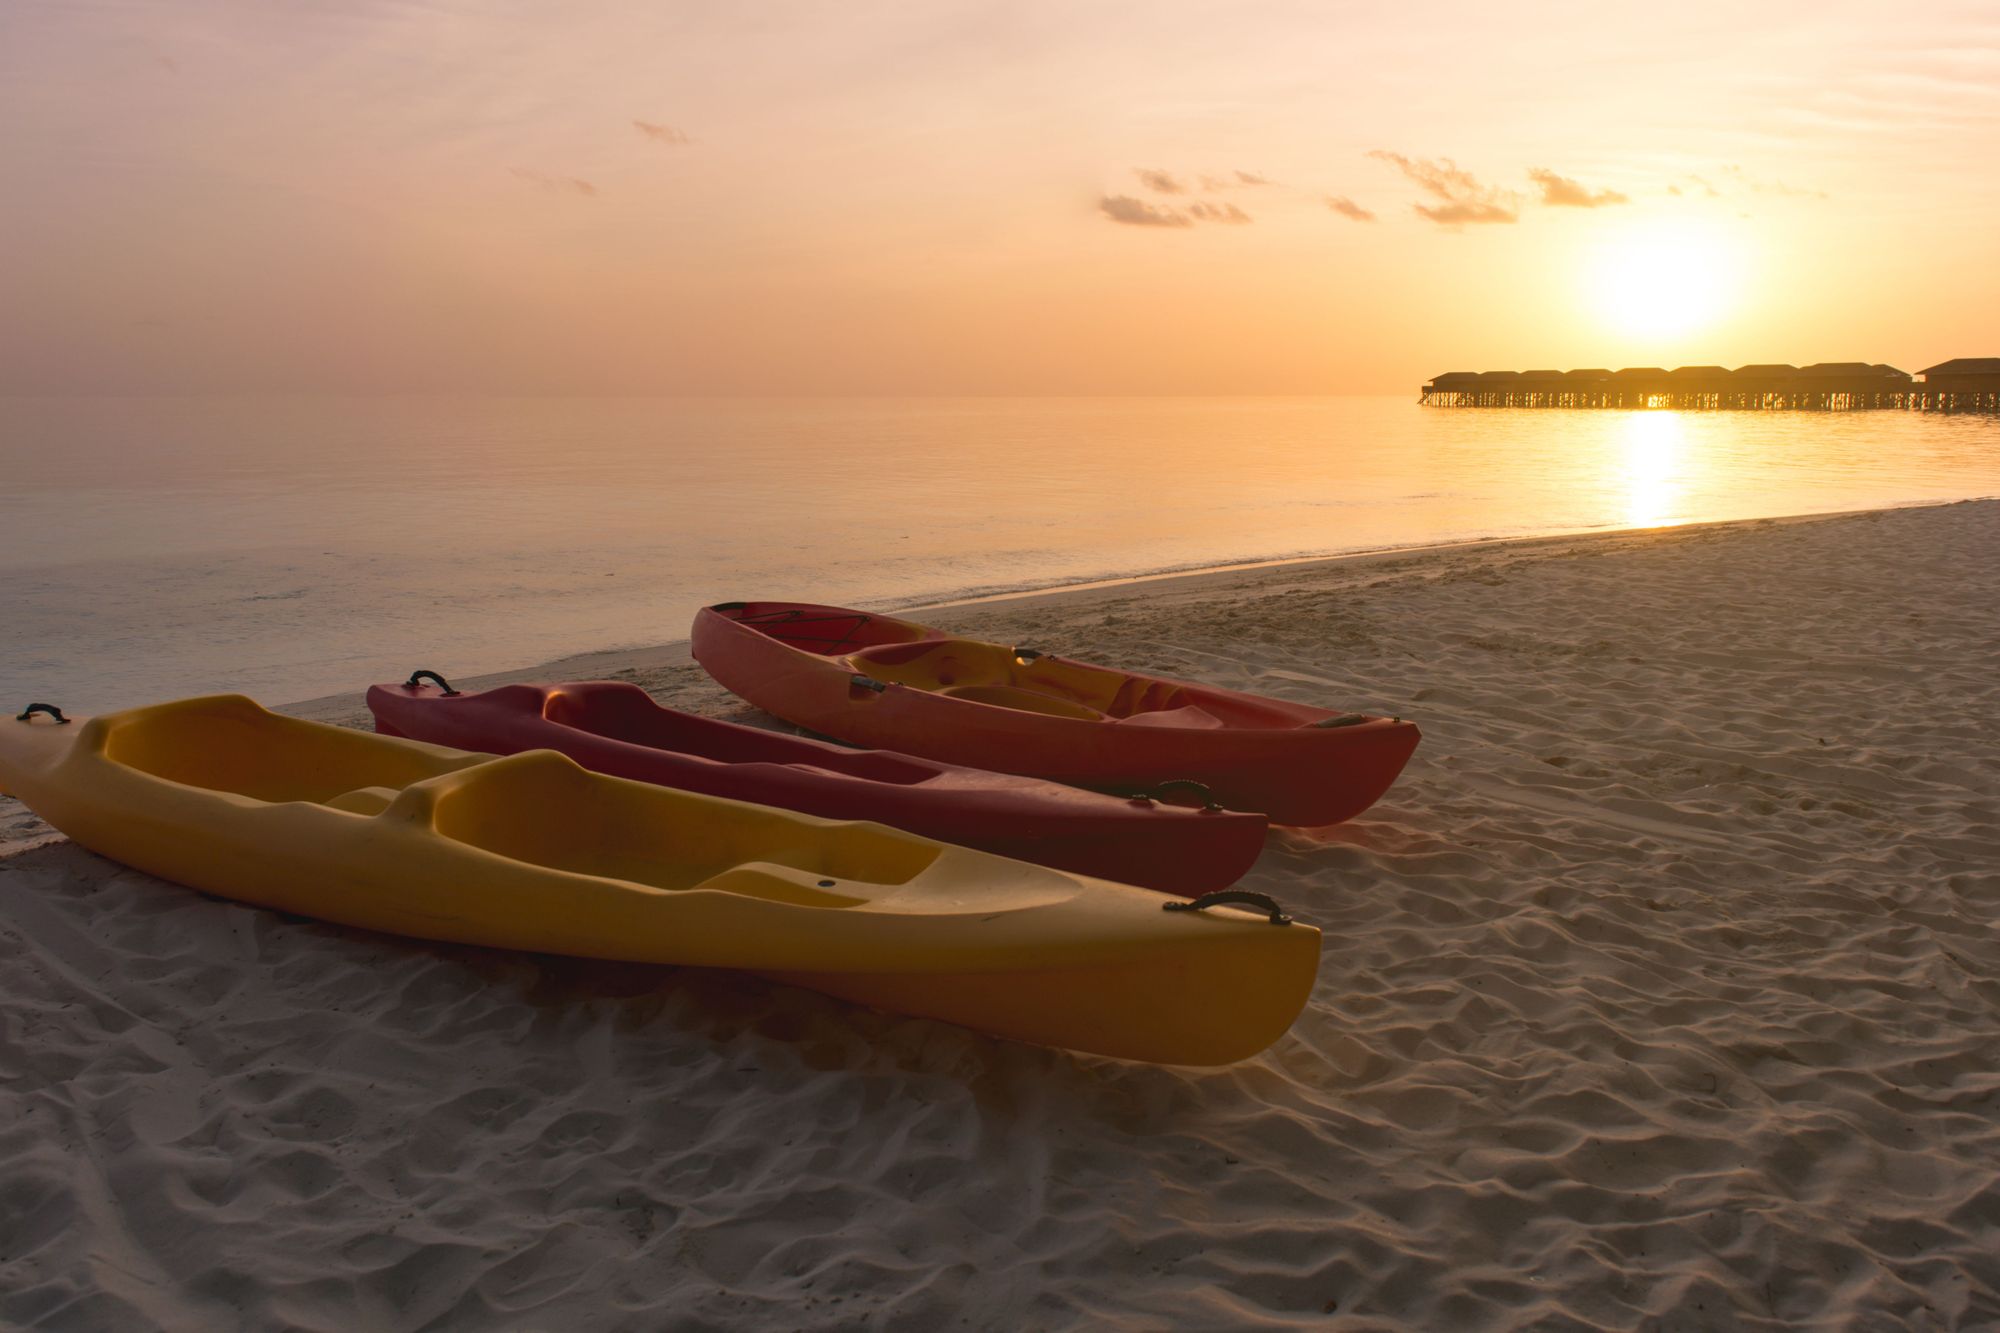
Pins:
<point x="983" y="198"/>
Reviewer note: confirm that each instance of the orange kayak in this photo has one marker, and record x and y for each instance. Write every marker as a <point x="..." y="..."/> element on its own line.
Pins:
<point x="878" y="681"/>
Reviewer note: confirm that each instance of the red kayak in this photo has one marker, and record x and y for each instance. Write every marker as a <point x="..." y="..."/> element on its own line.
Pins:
<point x="875" y="680"/>
<point x="615" y="728"/>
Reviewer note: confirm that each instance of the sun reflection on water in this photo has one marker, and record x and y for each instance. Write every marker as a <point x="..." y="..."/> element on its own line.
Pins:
<point x="1655" y="455"/>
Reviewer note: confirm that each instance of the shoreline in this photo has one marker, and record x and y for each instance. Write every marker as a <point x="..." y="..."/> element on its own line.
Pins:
<point x="648" y="658"/>
<point x="671" y="674"/>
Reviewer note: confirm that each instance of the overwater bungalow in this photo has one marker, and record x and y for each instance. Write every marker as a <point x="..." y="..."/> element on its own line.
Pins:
<point x="1699" y="386"/>
<point x="1841" y="385"/>
<point x="1964" y="384"/>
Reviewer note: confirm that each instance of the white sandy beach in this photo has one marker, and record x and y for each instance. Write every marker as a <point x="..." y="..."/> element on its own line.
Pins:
<point x="1662" y="992"/>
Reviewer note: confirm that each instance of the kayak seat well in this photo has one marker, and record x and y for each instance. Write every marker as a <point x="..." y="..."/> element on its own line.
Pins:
<point x="620" y="711"/>
<point x="542" y="808"/>
<point x="370" y="801"/>
<point x="1027" y="700"/>
<point x="1190" y="717"/>
<point x="990" y="674"/>
<point x="227" y="743"/>
<point x="778" y="884"/>
<point x="979" y="673"/>
<point x="1038" y="683"/>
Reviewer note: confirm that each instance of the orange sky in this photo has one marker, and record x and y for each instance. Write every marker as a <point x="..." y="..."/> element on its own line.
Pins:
<point x="983" y="198"/>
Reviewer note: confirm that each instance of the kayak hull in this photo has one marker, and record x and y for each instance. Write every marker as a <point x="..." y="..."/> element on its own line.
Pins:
<point x="615" y="728"/>
<point x="878" y="681"/>
<point x="533" y="852"/>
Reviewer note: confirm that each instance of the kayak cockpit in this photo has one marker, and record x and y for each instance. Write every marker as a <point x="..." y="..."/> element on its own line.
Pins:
<point x="623" y="712"/>
<point x="1035" y="682"/>
<point x="987" y="673"/>
<point x="227" y="743"/>
<point x="542" y="808"/>
<point x="368" y="801"/>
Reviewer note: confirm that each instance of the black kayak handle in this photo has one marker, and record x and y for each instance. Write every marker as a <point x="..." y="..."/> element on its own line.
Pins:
<point x="419" y="677"/>
<point x="861" y="682"/>
<point x="1233" y="898"/>
<point x="1208" y="801"/>
<point x="29" y="712"/>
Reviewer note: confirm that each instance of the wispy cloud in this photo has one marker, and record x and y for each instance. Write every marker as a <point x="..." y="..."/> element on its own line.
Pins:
<point x="1777" y="187"/>
<point x="1738" y="180"/>
<point x="1210" y="182"/>
<point x="560" y="184"/>
<point x="1138" y="213"/>
<point x="662" y="134"/>
<point x="1464" y="211"/>
<point x="1566" y="193"/>
<point x="1462" y="199"/>
<point x="1347" y="208"/>
<point x="1219" y="213"/>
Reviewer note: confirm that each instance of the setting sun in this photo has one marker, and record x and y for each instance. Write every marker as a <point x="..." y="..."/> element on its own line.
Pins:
<point x="1663" y="280"/>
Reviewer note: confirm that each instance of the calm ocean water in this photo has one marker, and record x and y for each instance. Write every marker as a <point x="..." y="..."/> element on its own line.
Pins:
<point x="290" y="548"/>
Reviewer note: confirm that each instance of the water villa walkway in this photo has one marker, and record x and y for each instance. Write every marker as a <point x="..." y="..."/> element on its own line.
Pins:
<point x="1968" y="384"/>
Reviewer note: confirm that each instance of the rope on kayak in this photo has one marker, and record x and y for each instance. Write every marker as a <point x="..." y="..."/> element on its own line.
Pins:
<point x="419" y="677"/>
<point x="1233" y="898"/>
<point x="1208" y="801"/>
<point x="28" y="713"/>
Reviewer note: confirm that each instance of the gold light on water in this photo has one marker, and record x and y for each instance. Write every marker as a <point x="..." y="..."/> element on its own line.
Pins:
<point x="1654" y="462"/>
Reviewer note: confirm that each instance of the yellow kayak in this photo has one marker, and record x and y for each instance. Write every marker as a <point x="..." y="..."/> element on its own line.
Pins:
<point x="533" y="852"/>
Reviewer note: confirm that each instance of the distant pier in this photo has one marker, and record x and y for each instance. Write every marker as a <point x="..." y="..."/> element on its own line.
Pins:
<point x="1968" y="384"/>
